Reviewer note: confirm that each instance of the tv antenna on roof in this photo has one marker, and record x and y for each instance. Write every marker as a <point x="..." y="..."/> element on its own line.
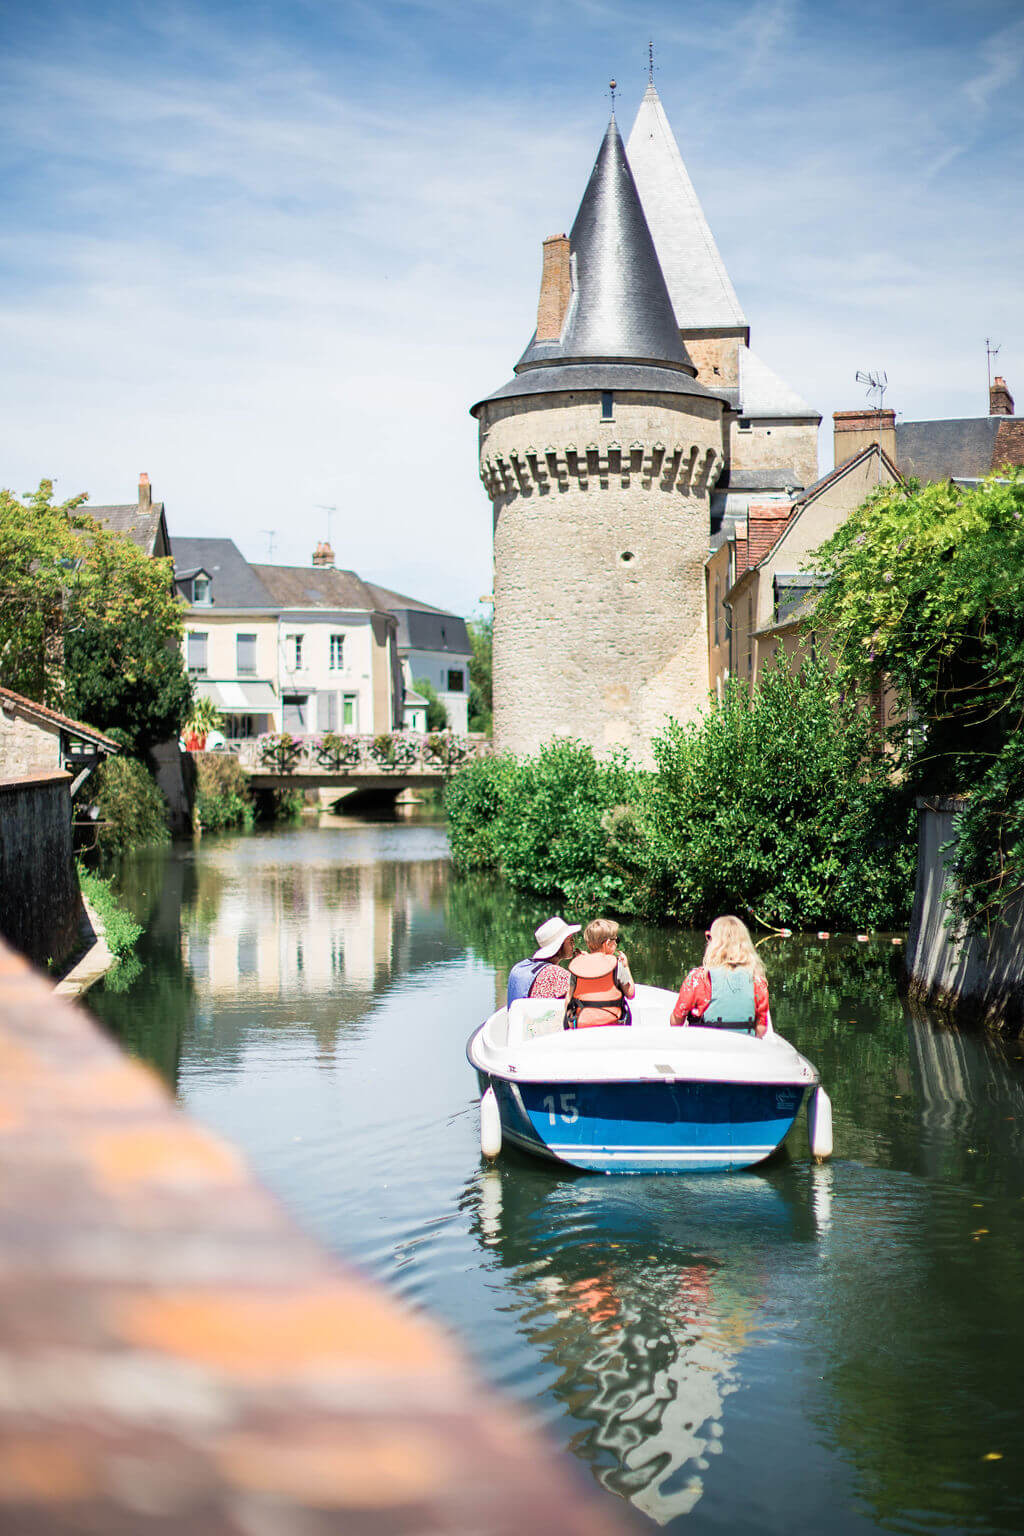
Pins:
<point x="877" y="383"/>
<point x="330" y="513"/>
<point x="990" y="353"/>
<point x="271" y="534"/>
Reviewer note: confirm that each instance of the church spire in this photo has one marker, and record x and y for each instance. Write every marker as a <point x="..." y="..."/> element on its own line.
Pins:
<point x="620" y="307"/>
<point x="702" y="295"/>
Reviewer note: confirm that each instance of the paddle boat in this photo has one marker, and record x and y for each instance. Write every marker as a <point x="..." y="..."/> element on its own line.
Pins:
<point x="647" y="1098"/>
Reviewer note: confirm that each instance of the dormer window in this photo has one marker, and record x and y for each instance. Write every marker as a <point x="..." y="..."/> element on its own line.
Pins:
<point x="201" y="593"/>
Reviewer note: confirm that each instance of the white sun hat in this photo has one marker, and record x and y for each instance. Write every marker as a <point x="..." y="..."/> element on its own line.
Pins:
<point x="551" y="936"/>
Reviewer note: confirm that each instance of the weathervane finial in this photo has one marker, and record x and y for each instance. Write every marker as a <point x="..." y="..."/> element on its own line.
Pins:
<point x="650" y="60"/>
<point x="613" y="86"/>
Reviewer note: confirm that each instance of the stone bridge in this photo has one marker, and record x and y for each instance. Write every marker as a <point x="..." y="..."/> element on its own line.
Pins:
<point x="377" y="765"/>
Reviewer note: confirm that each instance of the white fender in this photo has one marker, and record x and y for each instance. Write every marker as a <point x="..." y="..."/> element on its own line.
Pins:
<point x="819" y="1124"/>
<point x="490" y="1124"/>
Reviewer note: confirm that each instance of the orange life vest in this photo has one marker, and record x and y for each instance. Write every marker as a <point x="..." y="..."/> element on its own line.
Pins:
<point x="595" y="997"/>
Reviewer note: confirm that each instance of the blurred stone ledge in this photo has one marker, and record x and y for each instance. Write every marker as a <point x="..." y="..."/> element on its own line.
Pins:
<point x="176" y="1356"/>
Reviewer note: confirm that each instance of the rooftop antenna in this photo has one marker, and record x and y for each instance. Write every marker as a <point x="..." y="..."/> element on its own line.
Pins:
<point x="877" y="383"/>
<point x="271" y="535"/>
<point x="613" y="86"/>
<point x="330" y="513"/>
<point x="990" y="353"/>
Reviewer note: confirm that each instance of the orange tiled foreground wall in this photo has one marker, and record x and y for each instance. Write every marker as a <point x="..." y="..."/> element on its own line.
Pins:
<point x="176" y="1357"/>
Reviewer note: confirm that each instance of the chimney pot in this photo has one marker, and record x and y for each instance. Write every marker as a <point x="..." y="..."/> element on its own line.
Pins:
<point x="145" y="492"/>
<point x="555" y="288"/>
<point x="1000" y="401"/>
<point x="323" y="555"/>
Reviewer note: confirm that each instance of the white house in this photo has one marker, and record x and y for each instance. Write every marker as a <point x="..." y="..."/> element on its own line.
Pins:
<point x="301" y="649"/>
<point x="434" y="645"/>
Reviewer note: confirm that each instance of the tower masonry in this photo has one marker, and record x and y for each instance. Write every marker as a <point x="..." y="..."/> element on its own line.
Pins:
<point x="599" y="457"/>
<point x="637" y="429"/>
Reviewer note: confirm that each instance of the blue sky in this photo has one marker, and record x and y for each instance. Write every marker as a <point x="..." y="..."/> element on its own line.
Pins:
<point x="271" y="252"/>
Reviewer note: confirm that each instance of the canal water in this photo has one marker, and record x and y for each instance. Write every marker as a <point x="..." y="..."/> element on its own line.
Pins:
<point x="793" y="1350"/>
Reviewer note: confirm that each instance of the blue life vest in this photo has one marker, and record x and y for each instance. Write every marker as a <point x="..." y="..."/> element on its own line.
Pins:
<point x="522" y="977"/>
<point x="732" y="998"/>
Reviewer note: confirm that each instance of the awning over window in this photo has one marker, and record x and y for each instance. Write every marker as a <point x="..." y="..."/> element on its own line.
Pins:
<point x="255" y="698"/>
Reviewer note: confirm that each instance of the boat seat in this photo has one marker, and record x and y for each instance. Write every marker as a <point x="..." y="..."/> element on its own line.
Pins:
<point x="531" y="1017"/>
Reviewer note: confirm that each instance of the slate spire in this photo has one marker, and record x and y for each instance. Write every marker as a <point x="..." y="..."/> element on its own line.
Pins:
<point x="699" y="285"/>
<point x="620" y="309"/>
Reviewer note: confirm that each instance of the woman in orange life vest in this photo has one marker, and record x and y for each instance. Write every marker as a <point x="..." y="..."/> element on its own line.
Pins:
<point x="600" y="980"/>
<point x="730" y="985"/>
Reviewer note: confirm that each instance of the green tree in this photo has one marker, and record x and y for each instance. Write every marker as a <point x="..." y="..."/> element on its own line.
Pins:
<point x="481" y="697"/>
<point x="925" y="592"/>
<point x="437" y="715"/>
<point x="88" y="622"/>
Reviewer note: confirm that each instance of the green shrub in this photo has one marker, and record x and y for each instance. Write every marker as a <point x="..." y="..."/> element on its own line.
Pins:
<point x="121" y="929"/>
<point x="132" y="812"/>
<point x="437" y="715"/>
<point x="556" y="837"/>
<point x="473" y="803"/>
<point x="780" y="804"/>
<point x="222" y="792"/>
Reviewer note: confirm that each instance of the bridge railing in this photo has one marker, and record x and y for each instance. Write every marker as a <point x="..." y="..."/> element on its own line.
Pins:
<point x="399" y="752"/>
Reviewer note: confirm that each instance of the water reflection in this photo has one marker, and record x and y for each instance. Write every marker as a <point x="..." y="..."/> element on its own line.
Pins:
<point x="771" y="1352"/>
<point x="640" y="1308"/>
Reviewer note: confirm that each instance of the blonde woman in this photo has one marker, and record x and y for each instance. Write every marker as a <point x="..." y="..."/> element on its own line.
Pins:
<point x="729" y="989"/>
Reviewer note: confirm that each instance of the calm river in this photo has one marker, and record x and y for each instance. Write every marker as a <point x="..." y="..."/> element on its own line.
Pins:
<point x="794" y="1350"/>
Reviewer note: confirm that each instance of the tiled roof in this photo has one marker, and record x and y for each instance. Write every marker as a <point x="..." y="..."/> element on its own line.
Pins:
<point x="766" y="524"/>
<point x="11" y="700"/>
<point x="141" y="525"/>
<point x="233" y="582"/>
<point x="314" y="586"/>
<point x="969" y="448"/>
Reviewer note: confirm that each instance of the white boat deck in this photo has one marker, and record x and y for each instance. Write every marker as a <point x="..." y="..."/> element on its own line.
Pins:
<point x="529" y="1044"/>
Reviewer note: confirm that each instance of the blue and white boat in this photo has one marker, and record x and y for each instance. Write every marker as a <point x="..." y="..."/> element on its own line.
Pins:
<point x="649" y="1098"/>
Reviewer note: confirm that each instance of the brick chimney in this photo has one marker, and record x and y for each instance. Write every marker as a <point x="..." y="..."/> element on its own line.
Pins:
<point x="855" y="430"/>
<point x="323" y="556"/>
<point x="1000" y="401"/>
<point x="145" y="493"/>
<point x="555" y="288"/>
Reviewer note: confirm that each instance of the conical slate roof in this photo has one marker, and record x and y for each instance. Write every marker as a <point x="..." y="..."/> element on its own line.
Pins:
<point x="702" y="295"/>
<point x="620" y="310"/>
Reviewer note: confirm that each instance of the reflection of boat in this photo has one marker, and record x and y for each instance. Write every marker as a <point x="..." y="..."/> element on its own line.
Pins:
<point x="649" y="1098"/>
<point x="640" y="1301"/>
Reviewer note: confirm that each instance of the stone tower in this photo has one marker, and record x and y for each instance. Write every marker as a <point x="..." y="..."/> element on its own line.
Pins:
<point x="599" y="457"/>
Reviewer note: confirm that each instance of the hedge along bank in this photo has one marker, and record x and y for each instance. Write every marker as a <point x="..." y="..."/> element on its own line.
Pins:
<point x="777" y="804"/>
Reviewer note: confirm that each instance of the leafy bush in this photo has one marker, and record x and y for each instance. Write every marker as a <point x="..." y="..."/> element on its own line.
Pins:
<point x="473" y="801"/>
<point x="780" y="803"/>
<point x="120" y="928"/>
<point x="222" y="793"/>
<point x="131" y="810"/>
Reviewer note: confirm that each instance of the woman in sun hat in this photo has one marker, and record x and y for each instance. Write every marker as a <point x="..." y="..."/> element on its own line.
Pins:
<point x="541" y="975"/>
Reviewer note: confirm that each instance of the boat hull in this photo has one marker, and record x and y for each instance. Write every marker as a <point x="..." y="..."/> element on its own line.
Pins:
<point x="646" y="1127"/>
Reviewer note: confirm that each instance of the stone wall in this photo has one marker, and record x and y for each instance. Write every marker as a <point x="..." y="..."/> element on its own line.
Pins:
<point x="178" y="1359"/>
<point x="975" y="981"/>
<point x="40" y="903"/>
<point x="26" y="746"/>
<point x="600" y="535"/>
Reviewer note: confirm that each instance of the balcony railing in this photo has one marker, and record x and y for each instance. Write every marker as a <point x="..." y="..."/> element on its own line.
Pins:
<point x="400" y="752"/>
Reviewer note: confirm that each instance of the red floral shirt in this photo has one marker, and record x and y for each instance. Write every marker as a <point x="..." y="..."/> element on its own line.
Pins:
<point x="695" y="995"/>
<point x="552" y="981"/>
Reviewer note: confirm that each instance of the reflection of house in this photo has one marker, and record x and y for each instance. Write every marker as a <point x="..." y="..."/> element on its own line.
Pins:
<point x="301" y="649"/>
<point x="434" y="645"/>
